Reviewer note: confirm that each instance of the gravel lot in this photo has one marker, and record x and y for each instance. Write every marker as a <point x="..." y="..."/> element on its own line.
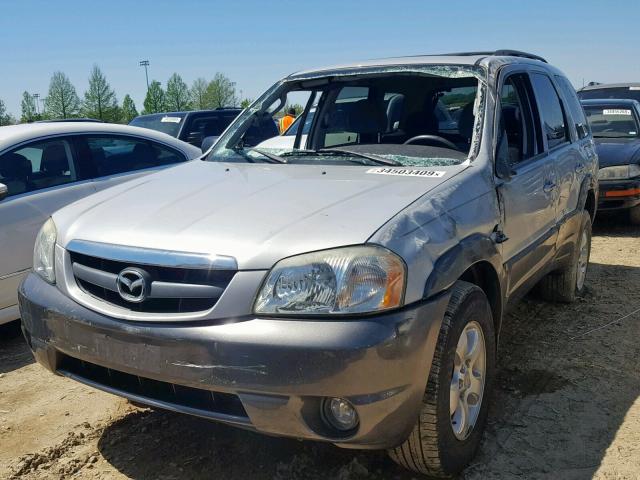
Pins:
<point x="567" y="404"/>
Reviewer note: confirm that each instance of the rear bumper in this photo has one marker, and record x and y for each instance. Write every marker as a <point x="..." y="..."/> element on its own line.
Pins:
<point x="619" y="194"/>
<point x="279" y="370"/>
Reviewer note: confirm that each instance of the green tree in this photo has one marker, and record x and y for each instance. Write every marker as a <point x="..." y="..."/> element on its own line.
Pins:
<point x="62" y="100"/>
<point x="5" y="118"/>
<point x="246" y="102"/>
<point x="221" y="92"/>
<point x="177" y="97"/>
<point x="100" y="100"/>
<point x="28" y="106"/>
<point x="129" y="111"/>
<point x="199" y="94"/>
<point x="154" y="101"/>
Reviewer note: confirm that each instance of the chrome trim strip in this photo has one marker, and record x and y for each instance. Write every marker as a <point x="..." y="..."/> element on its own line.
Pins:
<point x="148" y="256"/>
<point x="219" y="417"/>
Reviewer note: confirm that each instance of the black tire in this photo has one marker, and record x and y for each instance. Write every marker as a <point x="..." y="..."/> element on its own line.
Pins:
<point x="562" y="285"/>
<point x="634" y="215"/>
<point x="432" y="447"/>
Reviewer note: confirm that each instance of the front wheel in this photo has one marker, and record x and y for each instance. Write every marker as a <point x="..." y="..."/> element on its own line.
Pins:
<point x="449" y="428"/>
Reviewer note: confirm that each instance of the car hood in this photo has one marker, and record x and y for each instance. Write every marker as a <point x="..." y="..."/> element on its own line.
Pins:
<point x="617" y="151"/>
<point x="256" y="213"/>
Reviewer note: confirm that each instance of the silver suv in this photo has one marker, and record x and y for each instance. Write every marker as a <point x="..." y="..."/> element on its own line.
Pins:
<point x="347" y="288"/>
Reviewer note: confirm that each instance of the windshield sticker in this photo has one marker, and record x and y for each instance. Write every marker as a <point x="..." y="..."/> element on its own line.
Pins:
<point x="171" y="119"/>
<point x="406" y="172"/>
<point x="616" y="111"/>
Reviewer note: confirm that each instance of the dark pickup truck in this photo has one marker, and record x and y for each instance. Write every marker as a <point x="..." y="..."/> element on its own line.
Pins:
<point x="192" y="126"/>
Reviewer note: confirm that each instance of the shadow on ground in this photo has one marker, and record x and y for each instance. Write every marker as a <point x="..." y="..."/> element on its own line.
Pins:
<point x="564" y="386"/>
<point x="14" y="352"/>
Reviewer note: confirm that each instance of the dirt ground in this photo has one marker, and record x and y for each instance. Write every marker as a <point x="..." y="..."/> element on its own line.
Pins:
<point x="567" y="405"/>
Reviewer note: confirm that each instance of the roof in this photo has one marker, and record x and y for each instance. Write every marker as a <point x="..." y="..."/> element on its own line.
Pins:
<point x="600" y="86"/>
<point x="462" y="58"/>
<point x="610" y="101"/>
<point x="14" y="134"/>
<point x="186" y="112"/>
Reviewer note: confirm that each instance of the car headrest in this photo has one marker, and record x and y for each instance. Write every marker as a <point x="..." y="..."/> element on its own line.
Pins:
<point x="466" y="120"/>
<point x="54" y="159"/>
<point x="15" y="166"/>
<point x="395" y="109"/>
<point x="511" y="118"/>
<point x="366" y="117"/>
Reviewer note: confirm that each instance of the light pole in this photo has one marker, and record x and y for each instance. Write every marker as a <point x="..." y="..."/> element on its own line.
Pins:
<point x="36" y="96"/>
<point x="145" y="64"/>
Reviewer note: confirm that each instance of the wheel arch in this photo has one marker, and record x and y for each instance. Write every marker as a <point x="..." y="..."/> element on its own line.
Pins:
<point x="474" y="259"/>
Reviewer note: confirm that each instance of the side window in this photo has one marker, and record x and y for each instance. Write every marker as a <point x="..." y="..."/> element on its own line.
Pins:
<point x="552" y="116"/>
<point x="114" y="155"/>
<point x="354" y="119"/>
<point x="517" y="138"/>
<point x="37" y="166"/>
<point x="204" y="127"/>
<point x="577" y="112"/>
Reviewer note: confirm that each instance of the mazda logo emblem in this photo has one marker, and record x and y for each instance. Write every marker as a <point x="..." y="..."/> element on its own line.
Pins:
<point x="132" y="285"/>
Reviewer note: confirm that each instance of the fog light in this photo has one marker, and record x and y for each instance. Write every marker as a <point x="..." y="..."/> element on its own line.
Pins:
<point x="340" y="414"/>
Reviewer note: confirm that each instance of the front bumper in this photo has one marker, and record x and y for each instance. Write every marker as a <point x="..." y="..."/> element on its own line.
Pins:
<point x="619" y="194"/>
<point x="278" y="369"/>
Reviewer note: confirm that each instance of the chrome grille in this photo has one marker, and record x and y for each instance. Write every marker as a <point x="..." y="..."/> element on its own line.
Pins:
<point x="172" y="289"/>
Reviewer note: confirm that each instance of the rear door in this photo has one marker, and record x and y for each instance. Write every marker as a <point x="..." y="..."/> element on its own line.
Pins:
<point x="529" y="196"/>
<point x="560" y="143"/>
<point x="118" y="158"/>
<point x="43" y="176"/>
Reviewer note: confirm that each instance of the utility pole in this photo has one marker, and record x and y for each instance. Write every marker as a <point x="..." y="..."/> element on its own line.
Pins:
<point x="145" y="64"/>
<point x="36" y="96"/>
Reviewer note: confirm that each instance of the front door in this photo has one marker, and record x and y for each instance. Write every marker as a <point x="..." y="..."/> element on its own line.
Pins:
<point x="42" y="177"/>
<point x="529" y="196"/>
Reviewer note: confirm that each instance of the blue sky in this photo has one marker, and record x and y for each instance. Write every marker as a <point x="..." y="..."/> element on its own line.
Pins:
<point x="256" y="42"/>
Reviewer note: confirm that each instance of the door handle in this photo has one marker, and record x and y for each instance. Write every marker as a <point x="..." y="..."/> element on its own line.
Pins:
<point x="549" y="185"/>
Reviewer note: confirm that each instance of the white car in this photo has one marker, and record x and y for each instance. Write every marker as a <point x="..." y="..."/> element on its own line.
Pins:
<point x="286" y="140"/>
<point x="45" y="166"/>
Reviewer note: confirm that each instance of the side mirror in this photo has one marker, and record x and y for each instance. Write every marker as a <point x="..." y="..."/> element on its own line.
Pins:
<point x="4" y="191"/>
<point x="207" y="142"/>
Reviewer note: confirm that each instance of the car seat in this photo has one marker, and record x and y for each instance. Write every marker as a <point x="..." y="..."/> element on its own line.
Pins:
<point x="15" y="173"/>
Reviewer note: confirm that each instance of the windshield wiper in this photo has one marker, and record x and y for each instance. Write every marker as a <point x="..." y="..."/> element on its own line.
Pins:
<point x="271" y="156"/>
<point x="368" y="156"/>
<point x="621" y="135"/>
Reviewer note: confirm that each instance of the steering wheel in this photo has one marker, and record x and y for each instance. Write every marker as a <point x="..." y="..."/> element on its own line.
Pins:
<point x="432" y="139"/>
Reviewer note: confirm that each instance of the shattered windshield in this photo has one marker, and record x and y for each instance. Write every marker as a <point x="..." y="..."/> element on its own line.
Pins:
<point x="419" y="116"/>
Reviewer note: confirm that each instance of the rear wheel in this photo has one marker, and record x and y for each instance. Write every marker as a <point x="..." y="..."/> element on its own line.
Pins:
<point x="454" y="407"/>
<point x="566" y="284"/>
<point x="634" y="215"/>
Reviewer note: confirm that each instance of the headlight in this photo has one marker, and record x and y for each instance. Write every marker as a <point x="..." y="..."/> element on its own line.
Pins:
<point x="620" y="172"/>
<point x="44" y="253"/>
<point x="339" y="281"/>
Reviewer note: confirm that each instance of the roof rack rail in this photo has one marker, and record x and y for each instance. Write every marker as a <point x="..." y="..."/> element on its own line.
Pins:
<point x="502" y="52"/>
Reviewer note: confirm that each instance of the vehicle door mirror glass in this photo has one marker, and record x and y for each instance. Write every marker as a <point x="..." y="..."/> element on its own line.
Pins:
<point x="207" y="142"/>
<point x="4" y="191"/>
